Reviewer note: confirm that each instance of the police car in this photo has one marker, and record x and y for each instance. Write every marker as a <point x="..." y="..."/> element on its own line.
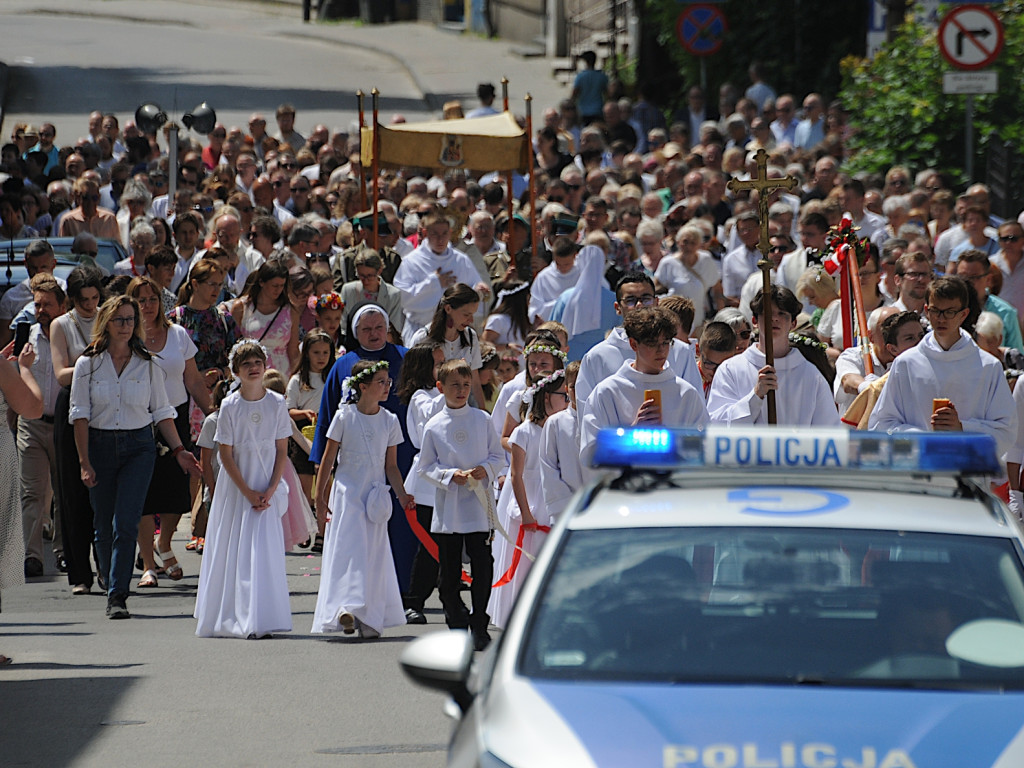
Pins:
<point x="759" y="598"/>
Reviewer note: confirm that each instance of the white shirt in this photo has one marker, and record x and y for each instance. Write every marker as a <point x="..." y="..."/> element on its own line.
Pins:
<point x="421" y="290"/>
<point x="135" y="399"/>
<point x="971" y="379"/>
<point x="300" y="399"/>
<point x="607" y="357"/>
<point x="615" y="401"/>
<point x="453" y="439"/>
<point x="560" y="469"/>
<point x="737" y="266"/>
<point x="802" y="399"/>
<point x="692" y="282"/>
<point x="851" y="361"/>
<point x="548" y="286"/>
<point x="42" y="368"/>
<point x="454" y="350"/>
<point x="17" y="296"/>
<point x="177" y="351"/>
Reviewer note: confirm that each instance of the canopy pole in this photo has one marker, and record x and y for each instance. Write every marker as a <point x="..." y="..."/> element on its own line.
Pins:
<point x="504" y="93"/>
<point x="533" y="188"/>
<point x="376" y="170"/>
<point x="508" y="176"/>
<point x="362" y="171"/>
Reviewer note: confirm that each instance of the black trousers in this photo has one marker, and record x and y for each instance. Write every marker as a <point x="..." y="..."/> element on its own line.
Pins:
<point x="73" y="505"/>
<point x="423" y="579"/>
<point x="478" y="548"/>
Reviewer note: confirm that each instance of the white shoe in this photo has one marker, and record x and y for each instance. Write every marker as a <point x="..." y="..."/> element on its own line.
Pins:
<point x="347" y="622"/>
<point x="367" y="633"/>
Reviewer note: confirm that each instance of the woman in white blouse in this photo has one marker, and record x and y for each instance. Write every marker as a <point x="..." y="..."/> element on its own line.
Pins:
<point x="169" y="493"/>
<point x="117" y="395"/>
<point x="692" y="272"/>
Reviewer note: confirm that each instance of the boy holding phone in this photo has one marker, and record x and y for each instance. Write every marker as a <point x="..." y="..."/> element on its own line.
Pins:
<point x="643" y="392"/>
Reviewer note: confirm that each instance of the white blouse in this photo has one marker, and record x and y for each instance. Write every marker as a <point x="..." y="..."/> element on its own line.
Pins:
<point x="178" y="350"/>
<point x="135" y="399"/>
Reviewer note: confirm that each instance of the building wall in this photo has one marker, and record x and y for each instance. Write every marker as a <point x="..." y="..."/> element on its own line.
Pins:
<point x="519" y="20"/>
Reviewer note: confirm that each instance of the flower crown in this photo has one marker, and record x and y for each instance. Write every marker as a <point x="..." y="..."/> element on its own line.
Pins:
<point x="531" y="393"/>
<point x="545" y="348"/>
<point x="245" y="343"/>
<point x="329" y="301"/>
<point x="350" y="386"/>
<point x="512" y="291"/>
<point x="488" y="357"/>
<point x="807" y="341"/>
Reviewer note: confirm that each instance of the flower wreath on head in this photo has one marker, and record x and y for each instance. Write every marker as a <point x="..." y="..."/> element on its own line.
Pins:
<point x="531" y="393"/>
<point x="512" y="291"/>
<point x="488" y="357"/>
<point x="236" y="381"/>
<point x="545" y="348"/>
<point x="350" y="386"/>
<point x="329" y="301"/>
<point x="806" y="341"/>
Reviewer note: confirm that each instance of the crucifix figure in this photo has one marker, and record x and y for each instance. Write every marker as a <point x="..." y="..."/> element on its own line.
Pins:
<point x="764" y="187"/>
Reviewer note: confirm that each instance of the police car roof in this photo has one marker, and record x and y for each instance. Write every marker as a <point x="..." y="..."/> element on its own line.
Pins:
<point x="855" y="501"/>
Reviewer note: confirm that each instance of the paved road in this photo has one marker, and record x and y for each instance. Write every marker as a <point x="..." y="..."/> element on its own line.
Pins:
<point x="68" y="57"/>
<point x="85" y="691"/>
<point x="88" y="692"/>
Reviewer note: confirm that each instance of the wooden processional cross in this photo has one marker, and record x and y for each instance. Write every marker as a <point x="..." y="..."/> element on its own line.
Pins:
<point x="764" y="187"/>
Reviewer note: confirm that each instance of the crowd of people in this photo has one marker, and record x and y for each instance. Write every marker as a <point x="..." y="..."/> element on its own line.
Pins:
<point x="294" y="370"/>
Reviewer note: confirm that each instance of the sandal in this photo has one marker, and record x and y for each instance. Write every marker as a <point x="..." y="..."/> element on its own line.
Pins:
<point x="318" y="545"/>
<point x="304" y="544"/>
<point x="173" y="570"/>
<point x="191" y="546"/>
<point x="200" y="545"/>
<point x="5" y="660"/>
<point x="149" y="579"/>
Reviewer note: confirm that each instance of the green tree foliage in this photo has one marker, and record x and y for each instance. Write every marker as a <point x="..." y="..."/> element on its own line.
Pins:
<point x="899" y="114"/>
<point x="798" y="42"/>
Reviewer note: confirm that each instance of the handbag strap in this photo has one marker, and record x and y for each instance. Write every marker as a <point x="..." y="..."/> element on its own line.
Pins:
<point x="270" y="324"/>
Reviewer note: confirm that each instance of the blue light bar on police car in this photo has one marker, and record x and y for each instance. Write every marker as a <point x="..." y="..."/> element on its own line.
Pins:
<point x="766" y="448"/>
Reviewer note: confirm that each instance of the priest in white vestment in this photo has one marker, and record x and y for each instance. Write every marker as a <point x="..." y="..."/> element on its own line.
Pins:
<point x="426" y="272"/>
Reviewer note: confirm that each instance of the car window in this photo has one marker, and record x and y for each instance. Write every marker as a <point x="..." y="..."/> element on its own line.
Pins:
<point x="815" y="606"/>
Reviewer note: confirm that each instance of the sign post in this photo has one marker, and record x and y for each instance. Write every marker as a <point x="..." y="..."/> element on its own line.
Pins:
<point x="701" y="30"/>
<point x="970" y="38"/>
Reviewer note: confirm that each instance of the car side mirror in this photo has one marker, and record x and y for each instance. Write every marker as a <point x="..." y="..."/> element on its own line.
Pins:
<point x="441" y="660"/>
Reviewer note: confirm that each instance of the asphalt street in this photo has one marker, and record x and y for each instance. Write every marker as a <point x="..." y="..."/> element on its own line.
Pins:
<point x="85" y="691"/>
<point x="69" y="57"/>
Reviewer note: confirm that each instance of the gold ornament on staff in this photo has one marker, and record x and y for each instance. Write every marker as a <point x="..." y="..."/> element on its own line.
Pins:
<point x="764" y="187"/>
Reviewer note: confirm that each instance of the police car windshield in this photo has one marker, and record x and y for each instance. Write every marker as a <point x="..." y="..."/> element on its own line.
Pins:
<point x="822" y="606"/>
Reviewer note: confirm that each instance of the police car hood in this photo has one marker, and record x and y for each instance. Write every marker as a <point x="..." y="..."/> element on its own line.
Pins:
<point x="778" y="726"/>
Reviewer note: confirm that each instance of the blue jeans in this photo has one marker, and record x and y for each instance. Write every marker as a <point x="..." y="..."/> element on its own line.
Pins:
<point x="123" y="462"/>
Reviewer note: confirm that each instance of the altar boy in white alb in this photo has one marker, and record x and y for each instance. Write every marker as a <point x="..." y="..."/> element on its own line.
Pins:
<point x="802" y="395"/>
<point x="634" y="291"/>
<point x="461" y="450"/>
<point x="622" y="399"/>
<point x="946" y="383"/>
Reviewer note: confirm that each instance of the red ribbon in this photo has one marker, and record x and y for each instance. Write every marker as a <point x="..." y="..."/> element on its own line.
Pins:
<point x="517" y="553"/>
<point x="846" y="300"/>
<point x="425" y="538"/>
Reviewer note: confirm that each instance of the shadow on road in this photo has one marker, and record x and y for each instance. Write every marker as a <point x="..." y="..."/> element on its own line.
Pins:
<point x="53" y="721"/>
